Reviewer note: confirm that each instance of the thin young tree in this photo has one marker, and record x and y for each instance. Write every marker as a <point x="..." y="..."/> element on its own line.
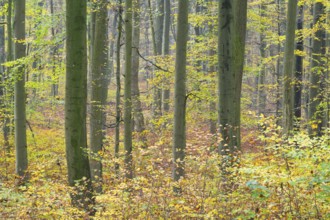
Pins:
<point x="231" y="44"/>
<point x="289" y="67"/>
<point x="137" y="107"/>
<point x="179" y="134"/>
<point x="128" y="90"/>
<point x="299" y="68"/>
<point x="75" y="104"/>
<point x="166" y="52"/>
<point x="19" y="96"/>
<point x="317" y="76"/>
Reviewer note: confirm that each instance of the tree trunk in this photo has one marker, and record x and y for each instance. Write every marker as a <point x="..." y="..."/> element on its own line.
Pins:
<point x="317" y="76"/>
<point x="20" y="97"/>
<point x="231" y="44"/>
<point x="288" y="68"/>
<point x="261" y="100"/>
<point x="137" y="108"/>
<point x="299" y="69"/>
<point x="128" y="90"/>
<point x="75" y="104"/>
<point x="179" y="135"/>
<point x="166" y="52"/>
<point x="118" y="88"/>
<point x="98" y="92"/>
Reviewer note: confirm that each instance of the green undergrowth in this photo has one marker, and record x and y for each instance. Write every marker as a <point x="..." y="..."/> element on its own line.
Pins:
<point x="283" y="179"/>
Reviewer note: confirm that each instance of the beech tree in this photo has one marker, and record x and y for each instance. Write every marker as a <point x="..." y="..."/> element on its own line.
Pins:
<point x="20" y="96"/>
<point x="231" y="44"/>
<point x="99" y="91"/>
<point x="179" y="134"/>
<point x="75" y="104"/>
<point x="128" y="90"/>
<point x="288" y="67"/>
<point x="317" y="76"/>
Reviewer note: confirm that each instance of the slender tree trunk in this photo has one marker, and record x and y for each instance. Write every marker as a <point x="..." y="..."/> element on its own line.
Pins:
<point x="280" y="28"/>
<point x="6" y="129"/>
<point x="179" y="135"/>
<point x="299" y="69"/>
<point x="75" y="104"/>
<point x="137" y="108"/>
<point x="20" y="97"/>
<point x="98" y="92"/>
<point x="118" y="88"/>
<point x="231" y="44"/>
<point x="128" y="90"/>
<point x="166" y="52"/>
<point x="288" y="68"/>
<point x="262" y="97"/>
<point x="317" y="76"/>
<point x="54" y="89"/>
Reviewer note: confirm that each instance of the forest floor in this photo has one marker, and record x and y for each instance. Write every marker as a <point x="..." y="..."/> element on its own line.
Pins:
<point x="276" y="179"/>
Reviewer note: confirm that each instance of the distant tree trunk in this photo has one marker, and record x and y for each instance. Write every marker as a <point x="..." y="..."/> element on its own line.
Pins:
<point x="128" y="90"/>
<point x="118" y="88"/>
<point x="231" y="44"/>
<point x="288" y="68"/>
<point x="6" y="129"/>
<point x="137" y="108"/>
<point x="166" y="52"/>
<point x="20" y="97"/>
<point x="159" y="29"/>
<point x="98" y="92"/>
<point x="54" y="90"/>
<point x="262" y="97"/>
<point x="281" y="29"/>
<point x="299" y="69"/>
<point x="179" y="135"/>
<point x="3" y="107"/>
<point x="75" y="104"/>
<point x="317" y="76"/>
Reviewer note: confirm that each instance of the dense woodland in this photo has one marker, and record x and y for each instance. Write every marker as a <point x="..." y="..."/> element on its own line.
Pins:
<point x="163" y="109"/>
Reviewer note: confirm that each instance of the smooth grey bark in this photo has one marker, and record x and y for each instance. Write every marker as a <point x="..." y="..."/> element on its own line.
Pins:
<point x="262" y="97"/>
<point x="179" y="134"/>
<point x="3" y="77"/>
<point x="317" y="76"/>
<point x="54" y="87"/>
<point x="231" y="44"/>
<point x="118" y="88"/>
<point x="128" y="90"/>
<point x="166" y="52"/>
<point x="279" y="64"/>
<point x="99" y="92"/>
<point x="157" y="35"/>
<point x="299" y="69"/>
<point x="137" y="108"/>
<point x="75" y="105"/>
<point x="289" y="67"/>
<point x="20" y="96"/>
<point x="6" y="129"/>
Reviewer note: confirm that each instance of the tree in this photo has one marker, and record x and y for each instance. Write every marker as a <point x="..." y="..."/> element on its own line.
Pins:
<point x="179" y="134"/>
<point x="75" y="104"/>
<point x="98" y="91"/>
<point x="262" y="97"/>
<point x="166" y="52"/>
<point x="137" y="108"/>
<point x="288" y="67"/>
<point x="299" y="68"/>
<point x="128" y="90"/>
<point x="118" y="87"/>
<point x="20" y="112"/>
<point x="317" y="76"/>
<point x="231" y="44"/>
